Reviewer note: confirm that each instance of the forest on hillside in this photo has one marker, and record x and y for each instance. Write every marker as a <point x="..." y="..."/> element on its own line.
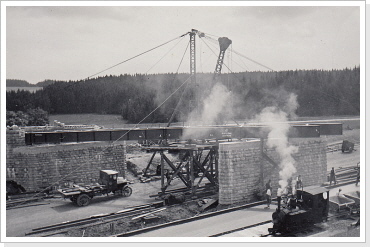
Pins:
<point x="134" y="97"/>
<point x="18" y="83"/>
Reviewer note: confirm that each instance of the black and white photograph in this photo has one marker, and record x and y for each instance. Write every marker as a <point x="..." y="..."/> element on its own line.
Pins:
<point x="183" y="121"/>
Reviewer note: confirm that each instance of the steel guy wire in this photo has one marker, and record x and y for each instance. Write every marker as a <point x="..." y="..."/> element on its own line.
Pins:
<point x="135" y="56"/>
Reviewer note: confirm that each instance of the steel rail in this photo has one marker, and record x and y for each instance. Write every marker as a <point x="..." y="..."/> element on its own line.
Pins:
<point x="106" y="220"/>
<point x="241" y="228"/>
<point x="93" y="219"/>
<point x="191" y="219"/>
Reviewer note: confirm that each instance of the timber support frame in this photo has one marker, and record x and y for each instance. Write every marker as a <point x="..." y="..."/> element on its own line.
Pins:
<point x="198" y="163"/>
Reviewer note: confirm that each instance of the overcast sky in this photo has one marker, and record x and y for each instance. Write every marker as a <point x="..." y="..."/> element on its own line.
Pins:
<point x="73" y="43"/>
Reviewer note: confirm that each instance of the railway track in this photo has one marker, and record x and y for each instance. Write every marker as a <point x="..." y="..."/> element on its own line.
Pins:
<point x="337" y="147"/>
<point x="92" y="220"/>
<point x="241" y="228"/>
<point x="305" y="231"/>
<point x="64" y="227"/>
<point x="24" y="202"/>
<point x="132" y="212"/>
<point x="345" y="175"/>
<point x="195" y="218"/>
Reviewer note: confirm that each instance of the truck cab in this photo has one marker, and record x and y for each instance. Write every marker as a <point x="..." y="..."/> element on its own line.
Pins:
<point x="109" y="179"/>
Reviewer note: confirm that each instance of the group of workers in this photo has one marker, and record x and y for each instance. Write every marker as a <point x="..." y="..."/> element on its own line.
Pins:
<point x="299" y="185"/>
<point x="288" y="190"/>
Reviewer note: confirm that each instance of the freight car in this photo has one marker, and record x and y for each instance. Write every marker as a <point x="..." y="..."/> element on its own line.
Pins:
<point x="347" y="146"/>
<point x="309" y="206"/>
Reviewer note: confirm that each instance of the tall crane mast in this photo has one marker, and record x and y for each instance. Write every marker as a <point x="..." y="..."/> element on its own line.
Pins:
<point x="192" y="55"/>
<point x="224" y="44"/>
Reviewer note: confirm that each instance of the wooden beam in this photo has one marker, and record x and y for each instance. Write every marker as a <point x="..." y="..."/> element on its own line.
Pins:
<point x="204" y="174"/>
<point x="162" y="172"/>
<point x="150" y="162"/>
<point x="174" y="168"/>
<point x="210" y="177"/>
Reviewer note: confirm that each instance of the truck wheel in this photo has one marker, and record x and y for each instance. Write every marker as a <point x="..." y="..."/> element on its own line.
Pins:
<point x="83" y="200"/>
<point x="127" y="191"/>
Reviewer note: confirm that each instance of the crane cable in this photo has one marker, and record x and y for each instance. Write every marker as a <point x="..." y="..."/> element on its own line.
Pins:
<point x="136" y="56"/>
<point x="230" y="52"/>
<point x="162" y="102"/>
<point x="165" y="56"/>
<point x="238" y="53"/>
<point x="155" y="109"/>
<point x="217" y="56"/>
<point x="183" y="92"/>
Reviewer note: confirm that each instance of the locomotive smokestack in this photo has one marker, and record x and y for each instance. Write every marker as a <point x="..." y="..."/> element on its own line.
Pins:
<point x="278" y="199"/>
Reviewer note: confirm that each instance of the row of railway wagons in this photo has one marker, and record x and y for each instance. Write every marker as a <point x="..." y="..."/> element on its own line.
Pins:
<point x="174" y="133"/>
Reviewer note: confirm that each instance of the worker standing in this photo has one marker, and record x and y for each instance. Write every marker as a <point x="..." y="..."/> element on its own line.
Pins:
<point x="299" y="183"/>
<point x="338" y="193"/>
<point x="278" y="197"/>
<point x="358" y="176"/>
<point x="268" y="185"/>
<point x="268" y="198"/>
<point x="168" y="177"/>
<point x="268" y="193"/>
<point x="332" y="176"/>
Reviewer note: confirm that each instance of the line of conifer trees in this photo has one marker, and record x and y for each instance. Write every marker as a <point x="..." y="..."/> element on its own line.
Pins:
<point x="319" y="93"/>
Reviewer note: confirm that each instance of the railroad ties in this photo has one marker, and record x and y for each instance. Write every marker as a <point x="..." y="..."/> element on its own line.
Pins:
<point x="94" y="220"/>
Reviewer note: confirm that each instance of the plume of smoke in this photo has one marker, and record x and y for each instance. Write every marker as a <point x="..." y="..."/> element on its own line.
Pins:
<point x="277" y="122"/>
<point x="215" y="105"/>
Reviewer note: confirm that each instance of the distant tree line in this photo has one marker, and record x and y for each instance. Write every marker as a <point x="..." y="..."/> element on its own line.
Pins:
<point x="31" y="117"/>
<point x="319" y="93"/>
<point x="18" y="83"/>
<point x="24" y="83"/>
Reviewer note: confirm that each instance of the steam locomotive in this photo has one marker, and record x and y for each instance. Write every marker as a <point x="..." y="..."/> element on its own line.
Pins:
<point x="308" y="207"/>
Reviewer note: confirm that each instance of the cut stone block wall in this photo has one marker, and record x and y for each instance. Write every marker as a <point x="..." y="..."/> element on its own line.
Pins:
<point x="239" y="170"/>
<point x="243" y="170"/>
<point x="38" y="167"/>
<point x="15" y="138"/>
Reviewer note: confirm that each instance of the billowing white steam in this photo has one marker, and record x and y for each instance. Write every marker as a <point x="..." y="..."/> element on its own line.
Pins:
<point x="216" y="103"/>
<point x="277" y="122"/>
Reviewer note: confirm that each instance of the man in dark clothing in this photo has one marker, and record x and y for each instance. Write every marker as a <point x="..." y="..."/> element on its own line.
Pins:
<point x="168" y="176"/>
<point x="268" y="185"/>
<point x="158" y="171"/>
<point x="358" y="176"/>
<point x="332" y="176"/>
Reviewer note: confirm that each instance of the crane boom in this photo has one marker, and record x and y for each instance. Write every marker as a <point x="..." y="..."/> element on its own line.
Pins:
<point x="224" y="44"/>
